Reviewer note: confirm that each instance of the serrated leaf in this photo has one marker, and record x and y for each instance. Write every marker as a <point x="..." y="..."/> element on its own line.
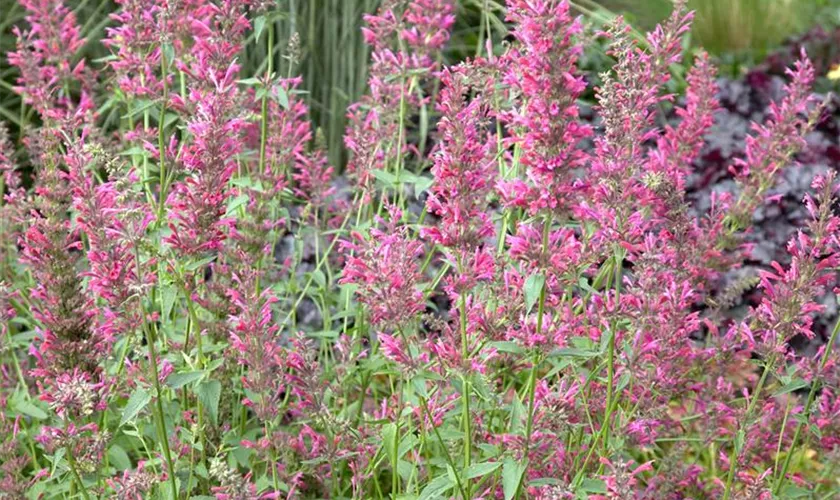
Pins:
<point x="407" y="443"/>
<point x="419" y="386"/>
<point x="259" y="25"/>
<point x="507" y="346"/>
<point x="138" y="400"/>
<point x="243" y="181"/>
<point x="235" y="203"/>
<point x="533" y="287"/>
<point x="198" y="264"/>
<point x="481" y="470"/>
<point x="512" y="472"/>
<point x="209" y="392"/>
<point x="282" y="97"/>
<point x="583" y="283"/>
<point x="168" y="51"/>
<point x="135" y="150"/>
<point x="389" y="436"/>
<point x="422" y="184"/>
<point x="517" y="415"/>
<point x="118" y="457"/>
<point x="27" y="408"/>
<point x="436" y="487"/>
<point x="590" y="485"/>
<point x="793" y="491"/>
<point x="320" y="278"/>
<point x="178" y="380"/>
<point x="56" y="459"/>
<point x="323" y="334"/>
<point x="792" y="386"/>
<point x="167" y="299"/>
<point x="144" y="105"/>
<point x="385" y="177"/>
<point x="574" y="353"/>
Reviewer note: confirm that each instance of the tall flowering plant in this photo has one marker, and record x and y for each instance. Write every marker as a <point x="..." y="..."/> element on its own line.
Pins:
<point x="504" y="299"/>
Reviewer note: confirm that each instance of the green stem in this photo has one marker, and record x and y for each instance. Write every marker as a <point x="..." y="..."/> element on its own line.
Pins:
<point x="161" y="136"/>
<point x="532" y="378"/>
<point x="736" y="449"/>
<point x="160" y="422"/>
<point x="610" y="395"/>
<point x="18" y="370"/>
<point x="617" y="263"/>
<point x="806" y="413"/>
<point x="465" y="394"/>
<point x="264" y="104"/>
<point x="273" y="461"/>
<point x="446" y="454"/>
<point x="400" y="139"/>
<point x="395" y="469"/>
<point x="72" y="461"/>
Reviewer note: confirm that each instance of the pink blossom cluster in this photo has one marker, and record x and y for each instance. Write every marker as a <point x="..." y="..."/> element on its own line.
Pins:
<point x="514" y="302"/>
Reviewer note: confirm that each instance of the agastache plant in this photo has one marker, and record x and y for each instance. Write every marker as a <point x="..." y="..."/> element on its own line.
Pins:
<point x="505" y="293"/>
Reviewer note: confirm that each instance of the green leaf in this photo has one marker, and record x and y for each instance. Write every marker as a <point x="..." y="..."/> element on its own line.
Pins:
<point x="480" y="470"/>
<point x="259" y="25"/>
<point x="56" y="459"/>
<point x="27" y="408"/>
<point x="387" y="178"/>
<point x="320" y="278"/>
<point x="236" y="202"/>
<point x="198" y="264"/>
<point x="512" y="472"/>
<point x="574" y="353"/>
<point x="136" y="150"/>
<point x="419" y="385"/>
<point x="209" y="393"/>
<point x="436" y="487"/>
<point x="323" y="334"/>
<point x="794" y="385"/>
<point x="517" y="415"/>
<point x="422" y="184"/>
<point x="167" y="300"/>
<point x="740" y="438"/>
<point x="533" y="287"/>
<point x="168" y="51"/>
<point x="407" y="443"/>
<point x="282" y="97"/>
<point x="138" y="400"/>
<point x="583" y="283"/>
<point x="243" y="181"/>
<point x="144" y="105"/>
<point x="118" y="457"/>
<point x="590" y="485"/>
<point x="178" y="380"/>
<point x="507" y="346"/>
<point x="793" y="491"/>
<point x="389" y="437"/>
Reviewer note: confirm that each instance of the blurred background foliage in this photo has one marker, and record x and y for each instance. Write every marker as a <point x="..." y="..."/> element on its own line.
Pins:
<point x="332" y="58"/>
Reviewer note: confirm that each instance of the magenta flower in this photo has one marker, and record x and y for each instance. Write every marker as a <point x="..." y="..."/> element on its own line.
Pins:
<point x="255" y="338"/>
<point x="199" y="202"/>
<point x="541" y="71"/>
<point x="406" y="38"/>
<point x="43" y="56"/>
<point x="777" y="141"/>
<point x="384" y="266"/>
